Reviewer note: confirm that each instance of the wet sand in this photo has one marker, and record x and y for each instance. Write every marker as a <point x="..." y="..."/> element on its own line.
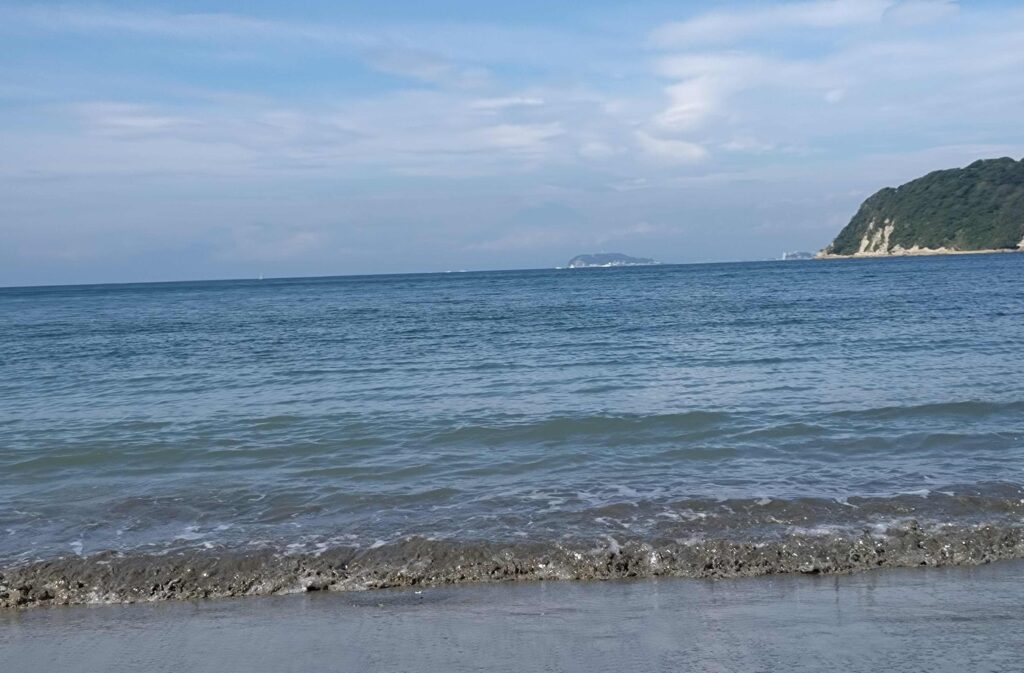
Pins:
<point x="418" y="562"/>
<point x="936" y="619"/>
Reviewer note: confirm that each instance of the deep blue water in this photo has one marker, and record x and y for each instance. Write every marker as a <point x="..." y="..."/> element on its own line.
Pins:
<point x="669" y="401"/>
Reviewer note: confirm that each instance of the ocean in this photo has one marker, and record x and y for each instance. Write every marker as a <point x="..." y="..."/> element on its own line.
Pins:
<point x="187" y="439"/>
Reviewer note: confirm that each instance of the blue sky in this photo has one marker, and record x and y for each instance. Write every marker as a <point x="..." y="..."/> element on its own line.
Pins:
<point x="148" y="141"/>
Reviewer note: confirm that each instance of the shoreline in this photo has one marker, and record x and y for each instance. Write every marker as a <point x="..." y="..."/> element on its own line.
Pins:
<point x="941" y="620"/>
<point x="916" y="252"/>
<point x="109" y="578"/>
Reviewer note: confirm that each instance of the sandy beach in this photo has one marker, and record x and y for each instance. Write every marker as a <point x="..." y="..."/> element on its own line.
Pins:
<point x="937" y="620"/>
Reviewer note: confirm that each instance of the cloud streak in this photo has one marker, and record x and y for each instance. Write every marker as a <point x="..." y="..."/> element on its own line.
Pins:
<point x="724" y="27"/>
<point x="281" y="142"/>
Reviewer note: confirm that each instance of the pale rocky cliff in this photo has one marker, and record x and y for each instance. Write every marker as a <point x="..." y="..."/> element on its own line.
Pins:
<point x="979" y="208"/>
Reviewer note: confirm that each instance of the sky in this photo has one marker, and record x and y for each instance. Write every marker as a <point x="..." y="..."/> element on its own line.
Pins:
<point x="216" y="139"/>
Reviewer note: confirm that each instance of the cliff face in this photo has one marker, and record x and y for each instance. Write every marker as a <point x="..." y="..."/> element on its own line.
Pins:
<point x="977" y="208"/>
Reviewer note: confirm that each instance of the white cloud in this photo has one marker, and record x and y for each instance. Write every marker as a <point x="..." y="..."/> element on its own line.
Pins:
<point x="835" y="95"/>
<point x="916" y="12"/>
<point x="729" y="26"/>
<point x="708" y="79"/>
<point x="218" y="27"/>
<point x="675" y="151"/>
<point x="767" y="21"/>
<point x="778" y="89"/>
<point x="506" y="102"/>
<point x="385" y="51"/>
<point x="520" y="137"/>
<point x="596" y="149"/>
<point x="427" y="67"/>
<point x="691" y="103"/>
<point x="724" y="65"/>
<point x="738" y="107"/>
<point x="741" y="100"/>
<point x="748" y="144"/>
<point x="128" y="119"/>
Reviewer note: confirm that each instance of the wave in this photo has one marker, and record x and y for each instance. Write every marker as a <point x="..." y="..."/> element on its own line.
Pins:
<point x="565" y="427"/>
<point x="123" y="578"/>
<point x="969" y="409"/>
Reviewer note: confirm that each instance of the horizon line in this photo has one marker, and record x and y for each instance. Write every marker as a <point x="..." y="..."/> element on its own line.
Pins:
<point x="366" y="275"/>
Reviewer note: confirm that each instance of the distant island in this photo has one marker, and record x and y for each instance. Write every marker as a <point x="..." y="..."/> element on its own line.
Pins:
<point x="791" y="256"/>
<point x="607" y="259"/>
<point x="979" y="208"/>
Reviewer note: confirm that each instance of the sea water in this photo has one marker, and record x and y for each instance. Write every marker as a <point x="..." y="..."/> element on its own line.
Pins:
<point x="583" y="408"/>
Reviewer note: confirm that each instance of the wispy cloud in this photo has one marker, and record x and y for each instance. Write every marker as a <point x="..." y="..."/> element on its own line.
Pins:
<point x="334" y="135"/>
<point x="740" y="73"/>
<point x="387" y="51"/>
<point x="917" y="12"/>
<point x="174" y="25"/>
<point x="731" y="25"/>
<point x="671" y="150"/>
<point x="531" y="138"/>
<point x="123" y="119"/>
<point x="427" y="67"/>
<point x="506" y="102"/>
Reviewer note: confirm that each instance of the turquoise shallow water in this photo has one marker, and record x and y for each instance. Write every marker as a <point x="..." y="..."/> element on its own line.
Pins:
<point x="676" y="402"/>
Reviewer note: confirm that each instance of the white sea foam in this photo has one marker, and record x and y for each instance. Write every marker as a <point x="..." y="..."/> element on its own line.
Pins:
<point x="191" y="533"/>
